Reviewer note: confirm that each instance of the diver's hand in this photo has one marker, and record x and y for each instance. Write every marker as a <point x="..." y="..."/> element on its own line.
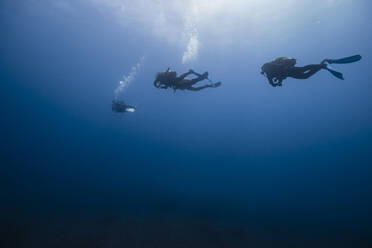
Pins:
<point x="277" y="82"/>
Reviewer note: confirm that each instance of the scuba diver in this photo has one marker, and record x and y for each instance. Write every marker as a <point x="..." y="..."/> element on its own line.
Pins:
<point x="169" y="79"/>
<point x="281" y="68"/>
<point x="121" y="107"/>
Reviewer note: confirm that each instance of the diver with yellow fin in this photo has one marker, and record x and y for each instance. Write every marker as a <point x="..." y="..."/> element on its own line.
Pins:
<point x="281" y="68"/>
<point x="169" y="79"/>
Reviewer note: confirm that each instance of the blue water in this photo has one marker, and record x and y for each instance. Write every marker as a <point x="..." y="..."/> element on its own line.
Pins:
<point x="242" y="165"/>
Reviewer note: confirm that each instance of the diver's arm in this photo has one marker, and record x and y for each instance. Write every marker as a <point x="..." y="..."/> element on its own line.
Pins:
<point x="271" y="81"/>
<point x="279" y="81"/>
<point x="160" y="85"/>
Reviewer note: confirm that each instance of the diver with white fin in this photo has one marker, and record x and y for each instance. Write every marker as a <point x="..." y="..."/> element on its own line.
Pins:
<point x="169" y="79"/>
<point x="121" y="107"/>
<point x="281" y="68"/>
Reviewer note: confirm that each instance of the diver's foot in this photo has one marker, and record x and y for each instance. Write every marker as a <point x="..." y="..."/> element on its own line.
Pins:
<point x="216" y="85"/>
<point x="205" y="75"/>
<point x="324" y="63"/>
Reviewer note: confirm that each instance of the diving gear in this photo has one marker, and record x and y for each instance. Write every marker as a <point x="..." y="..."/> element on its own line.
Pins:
<point x="346" y="60"/>
<point x="215" y="85"/>
<point x="335" y="73"/>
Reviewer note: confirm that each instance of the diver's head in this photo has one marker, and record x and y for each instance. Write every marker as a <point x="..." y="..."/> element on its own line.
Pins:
<point x="266" y="69"/>
<point x="160" y="76"/>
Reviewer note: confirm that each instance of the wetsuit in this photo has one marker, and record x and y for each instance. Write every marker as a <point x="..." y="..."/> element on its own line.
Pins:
<point x="276" y="74"/>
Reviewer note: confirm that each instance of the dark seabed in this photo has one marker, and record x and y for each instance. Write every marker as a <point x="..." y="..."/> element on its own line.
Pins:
<point x="242" y="165"/>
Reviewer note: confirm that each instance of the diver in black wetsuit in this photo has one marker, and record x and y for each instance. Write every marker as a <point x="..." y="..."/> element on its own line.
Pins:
<point x="281" y="68"/>
<point x="169" y="79"/>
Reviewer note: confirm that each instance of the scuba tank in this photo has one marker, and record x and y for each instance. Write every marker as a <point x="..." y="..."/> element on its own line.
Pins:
<point x="284" y="62"/>
<point x="278" y="65"/>
<point x="165" y="79"/>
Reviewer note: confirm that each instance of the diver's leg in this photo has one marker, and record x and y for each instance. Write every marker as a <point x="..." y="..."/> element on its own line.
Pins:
<point x="313" y="69"/>
<point x="200" y="77"/>
<point x="199" y="88"/>
<point x="215" y="85"/>
<point x="195" y="80"/>
<point x="306" y="71"/>
<point x="191" y="82"/>
<point x="204" y="75"/>
<point x="183" y="76"/>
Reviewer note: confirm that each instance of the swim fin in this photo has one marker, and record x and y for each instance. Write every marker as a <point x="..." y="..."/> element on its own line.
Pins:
<point x="336" y="73"/>
<point x="215" y="85"/>
<point x="346" y="60"/>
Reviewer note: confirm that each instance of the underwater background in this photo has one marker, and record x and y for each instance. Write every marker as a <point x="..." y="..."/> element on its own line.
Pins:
<point x="242" y="165"/>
